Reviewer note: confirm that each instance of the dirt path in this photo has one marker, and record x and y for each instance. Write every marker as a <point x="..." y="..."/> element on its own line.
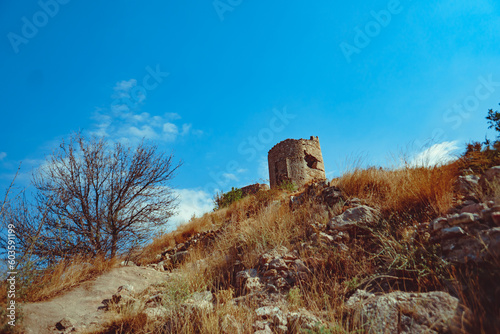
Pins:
<point x="81" y="304"/>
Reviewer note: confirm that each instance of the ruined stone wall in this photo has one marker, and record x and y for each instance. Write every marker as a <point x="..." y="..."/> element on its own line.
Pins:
<point x="298" y="161"/>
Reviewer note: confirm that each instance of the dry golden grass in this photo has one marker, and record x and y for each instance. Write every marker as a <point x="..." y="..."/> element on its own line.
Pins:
<point x="385" y="257"/>
<point x="418" y="192"/>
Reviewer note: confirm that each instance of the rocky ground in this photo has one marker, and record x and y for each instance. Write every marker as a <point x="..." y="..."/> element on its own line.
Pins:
<point x="468" y="236"/>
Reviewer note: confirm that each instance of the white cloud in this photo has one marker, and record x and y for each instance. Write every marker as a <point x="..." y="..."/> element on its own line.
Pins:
<point x="125" y="85"/>
<point x="2" y="155"/>
<point x="170" y="128"/>
<point x="125" y="123"/>
<point x="191" y="201"/>
<point x="437" y="154"/>
<point x="144" y="132"/>
<point x="185" y="129"/>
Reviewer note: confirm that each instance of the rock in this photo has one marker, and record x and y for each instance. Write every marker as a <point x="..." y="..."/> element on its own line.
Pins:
<point x="403" y="312"/>
<point x="451" y="232"/>
<point x="439" y="223"/>
<point x="331" y="196"/>
<point x="200" y="302"/>
<point x="460" y="219"/>
<point x="322" y="237"/>
<point x="467" y="184"/>
<point x="267" y="311"/>
<point x="179" y="256"/>
<point x="229" y="325"/>
<point x="161" y="266"/>
<point x="474" y="208"/>
<point x="260" y="325"/>
<point x="127" y="264"/>
<point x="245" y="274"/>
<point x="279" y="319"/>
<point x="65" y="324"/>
<point x="156" y="313"/>
<point x="270" y="272"/>
<point x="253" y="189"/>
<point x="278" y="264"/>
<point x="253" y="284"/>
<point x="266" y="330"/>
<point x="491" y="239"/>
<point x="490" y="180"/>
<point x="124" y="295"/>
<point x="302" y="319"/>
<point x="353" y="217"/>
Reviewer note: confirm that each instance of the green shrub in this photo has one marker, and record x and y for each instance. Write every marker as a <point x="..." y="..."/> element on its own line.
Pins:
<point x="222" y="200"/>
<point x="288" y="185"/>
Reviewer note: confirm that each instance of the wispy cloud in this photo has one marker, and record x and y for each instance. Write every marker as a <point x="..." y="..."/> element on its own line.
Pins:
<point x="124" y="121"/>
<point x="3" y="155"/>
<point x="191" y="202"/>
<point x="437" y="154"/>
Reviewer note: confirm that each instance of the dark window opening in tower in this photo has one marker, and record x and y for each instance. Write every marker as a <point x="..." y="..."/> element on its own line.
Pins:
<point x="312" y="161"/>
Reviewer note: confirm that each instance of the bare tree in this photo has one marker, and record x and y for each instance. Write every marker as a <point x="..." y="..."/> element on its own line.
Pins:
<point x="96" y="199"/>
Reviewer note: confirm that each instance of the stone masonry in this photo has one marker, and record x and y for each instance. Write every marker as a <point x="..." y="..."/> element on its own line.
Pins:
<point x="298" y="161"/>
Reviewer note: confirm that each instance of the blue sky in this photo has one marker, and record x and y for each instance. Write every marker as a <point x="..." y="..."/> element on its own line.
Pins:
<point x="220" y="82"/>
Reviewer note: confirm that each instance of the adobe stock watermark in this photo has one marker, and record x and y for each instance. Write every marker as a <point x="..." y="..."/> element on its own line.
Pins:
<point x="11" y="279"/>
<point x="139" y="92"/>
<point x="31" y="26"/>
<point x="464" y="109"/>
<point x="250" y="147"/>
<point x="371" y="30"/>
<point x="223" y="6"/>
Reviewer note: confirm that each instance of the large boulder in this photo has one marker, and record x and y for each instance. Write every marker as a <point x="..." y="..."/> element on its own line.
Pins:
<point x="404" y="312"/>
<point x="467" y="184"/>
<point x="359" y="215"/>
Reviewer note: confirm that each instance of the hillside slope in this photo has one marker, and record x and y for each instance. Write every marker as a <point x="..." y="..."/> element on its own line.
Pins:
<point x="403" y="251"/>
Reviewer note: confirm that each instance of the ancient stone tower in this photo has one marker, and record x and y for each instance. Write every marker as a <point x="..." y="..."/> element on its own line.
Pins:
<point x="298" y="161"/>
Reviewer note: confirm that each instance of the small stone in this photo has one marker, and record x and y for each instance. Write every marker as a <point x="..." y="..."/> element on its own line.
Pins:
<point x="278" y="264"/>
<point x="439" y="223"/>
<point x="155" y="313"/>
<point x="65" y="323"/>
<point x="253" y="284"/>
<point x="452" y="232"/>
<point x="463" y="218"/>
<point x="266" y="330"/>
<point x="260" y="325"/>
<point x="474" y="208"/>
<point x="279" y="319"/>
<point x="267" y="311"/>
